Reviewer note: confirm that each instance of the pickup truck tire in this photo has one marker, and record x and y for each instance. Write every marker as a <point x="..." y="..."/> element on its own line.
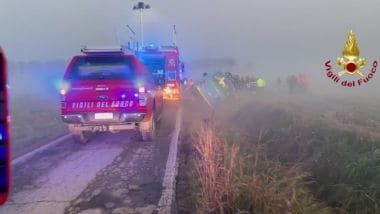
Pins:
<point x="81" y="137"/>
<point x="148" y="132"/>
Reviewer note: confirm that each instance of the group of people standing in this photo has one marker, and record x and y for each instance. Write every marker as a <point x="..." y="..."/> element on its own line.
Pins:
<point x="295" y="83"/>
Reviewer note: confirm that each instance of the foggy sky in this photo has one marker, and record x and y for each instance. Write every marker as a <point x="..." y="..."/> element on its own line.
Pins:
<point x="275" y="36"/>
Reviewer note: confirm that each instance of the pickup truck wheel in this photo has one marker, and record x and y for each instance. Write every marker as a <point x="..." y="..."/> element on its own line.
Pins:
<point x="81" y="137"/>
<point x="148" y="131"/>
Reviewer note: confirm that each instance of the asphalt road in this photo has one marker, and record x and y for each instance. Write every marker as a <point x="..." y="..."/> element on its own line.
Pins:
<point x="114" y="173"/>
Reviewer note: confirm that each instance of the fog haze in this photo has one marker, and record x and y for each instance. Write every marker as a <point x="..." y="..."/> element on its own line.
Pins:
<point x="265" y="37"/>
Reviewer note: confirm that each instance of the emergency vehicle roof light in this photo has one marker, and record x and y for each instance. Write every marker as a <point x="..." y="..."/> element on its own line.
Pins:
<point x="95" y="50"/>
<point x="170" y="47"/>
<point x="151" y="47"/>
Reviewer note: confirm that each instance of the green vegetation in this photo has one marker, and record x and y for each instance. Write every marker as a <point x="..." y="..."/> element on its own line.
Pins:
<point x="237" y="176"/>
<point x="344" y="164"/>
<point x="34" y="104"/>
<point x="33" y="122"/>
<point x="269" y="157"/>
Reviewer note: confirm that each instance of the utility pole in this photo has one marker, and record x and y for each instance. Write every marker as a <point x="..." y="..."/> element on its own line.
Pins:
<point x="141" y="6"/>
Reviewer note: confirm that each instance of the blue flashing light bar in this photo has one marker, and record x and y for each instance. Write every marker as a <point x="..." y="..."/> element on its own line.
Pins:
<point x="2" y="133"/>
<point x="169" y="47"/>
<point x="151" y="47"/>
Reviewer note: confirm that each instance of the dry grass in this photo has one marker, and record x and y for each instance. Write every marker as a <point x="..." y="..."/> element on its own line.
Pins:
<point x="216" y="165"/>
<point x="287" y="155"/>
<point x="341" y="156"/>
<point x="246" y="181"/>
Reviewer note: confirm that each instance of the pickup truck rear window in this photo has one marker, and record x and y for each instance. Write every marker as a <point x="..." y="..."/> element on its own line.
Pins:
<point x="102" y="68"/>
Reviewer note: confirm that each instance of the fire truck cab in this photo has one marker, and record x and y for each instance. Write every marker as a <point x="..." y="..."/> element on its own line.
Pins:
<point x="164" y="64"/>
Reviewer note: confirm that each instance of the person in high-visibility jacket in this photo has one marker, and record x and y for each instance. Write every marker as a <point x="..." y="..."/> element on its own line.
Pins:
<point x="260" y="84"/>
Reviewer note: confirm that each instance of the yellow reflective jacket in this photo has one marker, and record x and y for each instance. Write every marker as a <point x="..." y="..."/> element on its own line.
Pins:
<point x="260" y="83"/>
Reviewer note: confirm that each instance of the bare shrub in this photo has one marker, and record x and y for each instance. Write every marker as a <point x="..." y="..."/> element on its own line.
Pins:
<point x="235" y="179"/>
<point x="215" y="171"/>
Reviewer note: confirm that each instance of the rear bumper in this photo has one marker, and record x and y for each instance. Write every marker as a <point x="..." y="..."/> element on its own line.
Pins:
<point x="121" y="121"/>
<point x="104" y="127"/>
<point x="89" y="118"/>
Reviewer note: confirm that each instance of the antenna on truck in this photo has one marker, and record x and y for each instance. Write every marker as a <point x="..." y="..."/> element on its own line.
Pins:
<point x="133" y="32"/>
<point x="132" y="43"/>
<point x="174" y="35"/>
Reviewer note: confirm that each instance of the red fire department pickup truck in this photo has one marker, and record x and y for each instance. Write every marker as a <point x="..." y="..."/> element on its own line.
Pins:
<point x="109" y="90"/>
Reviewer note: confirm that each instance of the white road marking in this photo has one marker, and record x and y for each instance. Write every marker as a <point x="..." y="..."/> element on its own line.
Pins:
<point x="44" y="147"/>
<point x="168" y="183"/>
<point x="53" y="191"/>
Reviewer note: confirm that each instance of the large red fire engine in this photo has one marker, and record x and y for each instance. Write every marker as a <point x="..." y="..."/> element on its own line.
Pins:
<point x="164" y="64"/>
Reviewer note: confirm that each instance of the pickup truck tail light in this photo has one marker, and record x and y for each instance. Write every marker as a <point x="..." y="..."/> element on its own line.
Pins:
<point x="64" y="89"/>
<point x="63" y="92"/>
<point x="142" y="90"/>
<point x="143" y="96"/>
<point x="63" y="95"/>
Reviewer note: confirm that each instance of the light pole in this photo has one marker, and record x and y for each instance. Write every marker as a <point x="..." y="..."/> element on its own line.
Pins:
<point x="141" y="6"/>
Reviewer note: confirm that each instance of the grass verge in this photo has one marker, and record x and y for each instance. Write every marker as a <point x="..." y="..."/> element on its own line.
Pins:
<point x="266" y="157"/>
<point x="34" y="122"/>
<point x="34" y="104"/>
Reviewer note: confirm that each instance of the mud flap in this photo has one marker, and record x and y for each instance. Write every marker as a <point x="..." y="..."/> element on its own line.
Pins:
<point x="148" y="128"/>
